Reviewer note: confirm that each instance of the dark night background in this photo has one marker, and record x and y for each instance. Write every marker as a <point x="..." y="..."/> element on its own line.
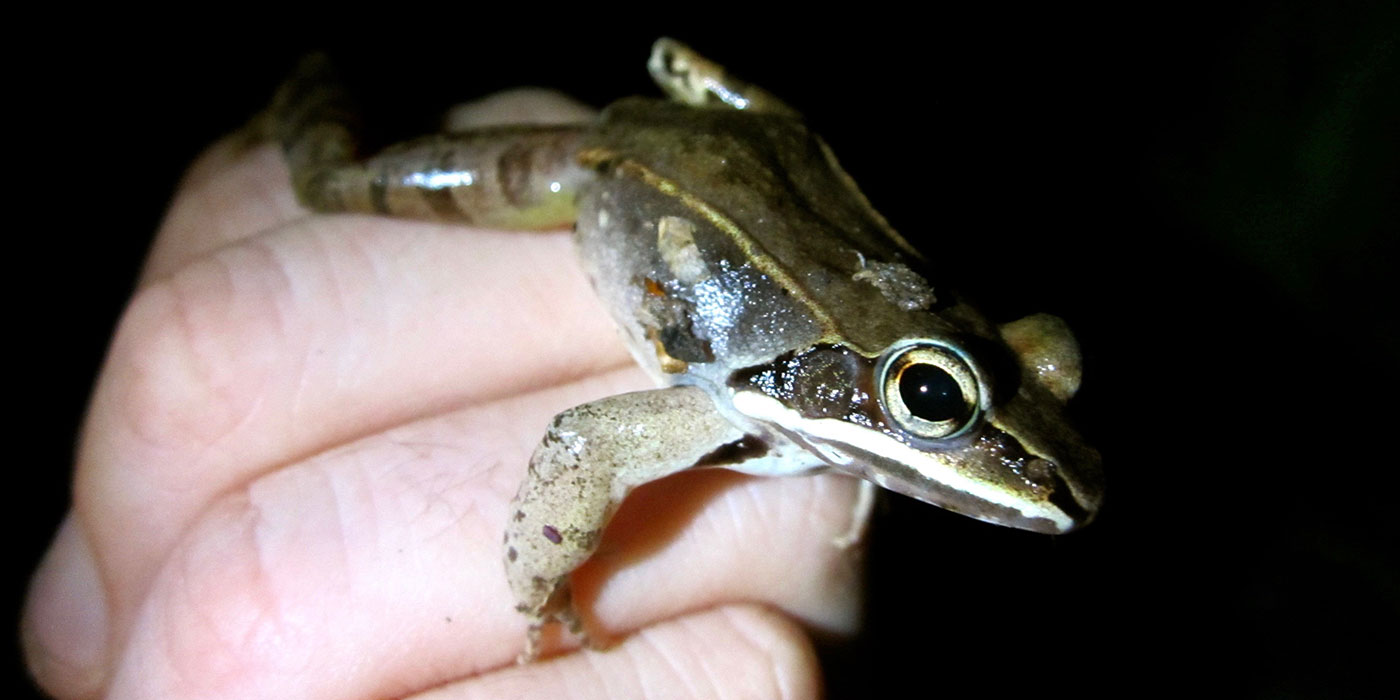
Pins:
<point x="1208" y="196"/>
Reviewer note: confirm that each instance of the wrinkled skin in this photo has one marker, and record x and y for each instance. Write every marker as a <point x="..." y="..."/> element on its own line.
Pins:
<point x="299" y="454"/>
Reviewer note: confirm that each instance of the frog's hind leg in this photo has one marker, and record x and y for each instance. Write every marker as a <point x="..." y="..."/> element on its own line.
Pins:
<point x="316" y="123"/>
<point x="688" y="77"/>
<point x="513" y="177"/>
<point x="590" y="458"/>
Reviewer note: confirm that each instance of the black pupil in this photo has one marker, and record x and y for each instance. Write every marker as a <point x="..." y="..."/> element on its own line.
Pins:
<point x="931" y="393"/>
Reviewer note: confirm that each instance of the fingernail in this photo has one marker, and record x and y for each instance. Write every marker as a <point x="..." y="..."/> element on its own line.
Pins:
<point x="65" y="618"/>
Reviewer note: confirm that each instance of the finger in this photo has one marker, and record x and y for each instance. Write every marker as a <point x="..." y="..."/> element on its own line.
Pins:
<point x="287" y="344"/>
<point x="518" y="106"/>
<point x="708" y="537"/>
<point x="234" y="191"/>
<point x="741" y="651"/>
<point x="387" y="548"/>
<point x="64" y="626"/>
<point x="376" y="568"/>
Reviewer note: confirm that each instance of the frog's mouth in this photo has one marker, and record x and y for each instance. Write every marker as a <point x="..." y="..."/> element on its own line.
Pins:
<point x="987" y="475"/>
<point x="1055" y="512"/>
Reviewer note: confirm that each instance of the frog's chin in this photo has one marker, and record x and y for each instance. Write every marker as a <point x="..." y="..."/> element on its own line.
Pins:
<point x="962" y="477"/>
<point x="996" y="506"/>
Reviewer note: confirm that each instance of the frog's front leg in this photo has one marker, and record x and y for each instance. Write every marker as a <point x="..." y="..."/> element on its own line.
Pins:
<point x="590" y="458"/>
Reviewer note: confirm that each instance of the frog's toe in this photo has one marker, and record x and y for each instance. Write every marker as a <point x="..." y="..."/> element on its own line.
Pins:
<point x="550" y="601"/>
<point x="545" y="603"/>
<point x="532" y="645"/>
<point x="861" y="509"/>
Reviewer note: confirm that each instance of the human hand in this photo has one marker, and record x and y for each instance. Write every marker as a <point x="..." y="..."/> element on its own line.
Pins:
<point x="294" y="475"/>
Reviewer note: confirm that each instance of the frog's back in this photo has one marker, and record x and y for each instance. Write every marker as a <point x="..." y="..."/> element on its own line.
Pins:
<point x="726" y="238"/>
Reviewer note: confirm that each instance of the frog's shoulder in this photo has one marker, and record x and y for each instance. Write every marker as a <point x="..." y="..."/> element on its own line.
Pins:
<point x="771" y="188"/>
<point x="642" y="127"/>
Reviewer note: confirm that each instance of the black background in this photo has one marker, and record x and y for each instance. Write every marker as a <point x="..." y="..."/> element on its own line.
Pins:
<point x="1208" y="196"/>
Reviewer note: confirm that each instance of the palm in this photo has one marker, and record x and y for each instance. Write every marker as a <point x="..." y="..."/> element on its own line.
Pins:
<point x="295" y="471"/>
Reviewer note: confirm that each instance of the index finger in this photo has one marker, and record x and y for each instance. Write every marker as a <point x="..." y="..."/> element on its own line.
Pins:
<point x="280" y="342"/>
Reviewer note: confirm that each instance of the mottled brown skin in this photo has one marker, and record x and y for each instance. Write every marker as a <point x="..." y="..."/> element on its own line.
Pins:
<point x="564" y="503"/>
<point x="726" y="241"/>
<point x="513" y="177"/>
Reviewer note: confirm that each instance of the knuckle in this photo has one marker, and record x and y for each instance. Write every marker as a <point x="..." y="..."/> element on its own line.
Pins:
<point x="220" y="609"/>
<point x="195" y="351"/>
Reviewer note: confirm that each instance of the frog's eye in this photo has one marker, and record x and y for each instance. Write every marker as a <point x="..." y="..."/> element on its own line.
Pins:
<point x="929" y="390"/>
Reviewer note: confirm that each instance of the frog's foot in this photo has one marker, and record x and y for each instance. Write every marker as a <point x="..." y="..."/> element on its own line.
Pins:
<point x="590" y="458"/>
<point x="539" y="580"/>
<point x="861" y="509"/>
<point x="689" y="78"/>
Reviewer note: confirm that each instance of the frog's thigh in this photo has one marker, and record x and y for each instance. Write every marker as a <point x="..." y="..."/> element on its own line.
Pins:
<point x="516" y="177"/>
<point x="589" y="459"/>
<point x="521" y="178"/>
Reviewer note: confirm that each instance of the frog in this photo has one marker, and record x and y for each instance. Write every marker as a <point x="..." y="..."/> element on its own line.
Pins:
<point x="789" y="327"/>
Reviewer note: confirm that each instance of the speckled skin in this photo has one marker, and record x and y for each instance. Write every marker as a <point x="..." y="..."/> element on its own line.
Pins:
<point x="753" y="279"/>
<point x="566" y="499"/>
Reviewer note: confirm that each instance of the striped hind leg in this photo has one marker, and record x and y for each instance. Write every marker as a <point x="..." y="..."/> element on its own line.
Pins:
<point x="512" y="177"/>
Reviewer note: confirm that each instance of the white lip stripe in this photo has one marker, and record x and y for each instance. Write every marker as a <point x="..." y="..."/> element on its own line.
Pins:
<point x="766" y="408"/>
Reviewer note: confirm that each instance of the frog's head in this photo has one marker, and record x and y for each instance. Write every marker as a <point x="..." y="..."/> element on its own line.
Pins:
<point x="966" y="422"/>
